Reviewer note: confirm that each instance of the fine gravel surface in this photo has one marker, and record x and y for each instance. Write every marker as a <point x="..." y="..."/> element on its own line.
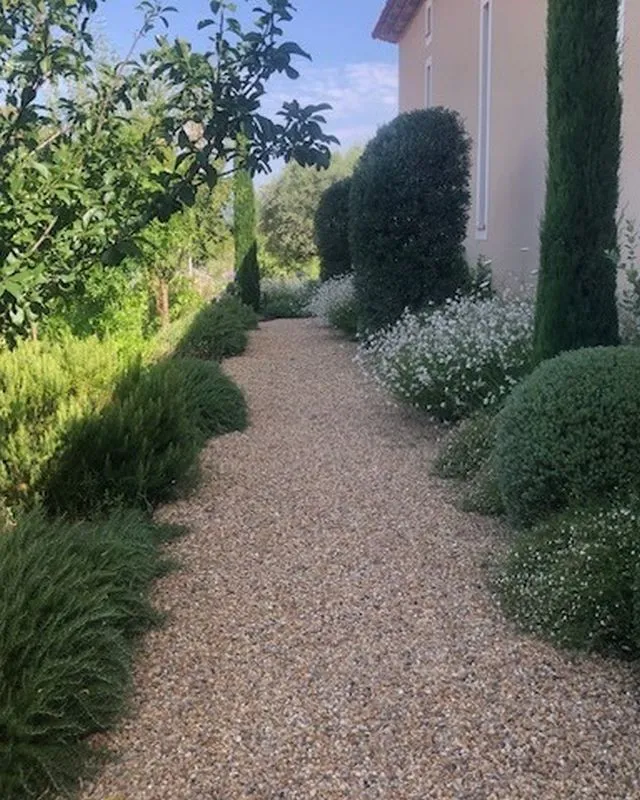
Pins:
<point x="331" y="634"/>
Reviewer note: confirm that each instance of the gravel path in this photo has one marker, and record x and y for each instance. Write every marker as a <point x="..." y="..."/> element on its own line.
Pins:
<point x="331" y="635"/>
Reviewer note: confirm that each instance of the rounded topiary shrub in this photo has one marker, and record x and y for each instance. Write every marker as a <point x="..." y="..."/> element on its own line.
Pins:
<point x="331" y="228"/>
<point x="570" y="433"/>
<point x="408" y="214"/>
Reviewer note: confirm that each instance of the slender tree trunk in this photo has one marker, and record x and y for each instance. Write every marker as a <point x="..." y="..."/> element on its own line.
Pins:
<point x="162" y="301"/>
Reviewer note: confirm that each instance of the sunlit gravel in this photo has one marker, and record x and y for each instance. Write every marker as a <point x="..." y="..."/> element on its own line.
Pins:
<point x="331" y="634"/>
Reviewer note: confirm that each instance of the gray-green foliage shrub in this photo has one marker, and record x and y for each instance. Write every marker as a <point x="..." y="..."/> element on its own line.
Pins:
<point x="467" y="447"/>
<point x="409" y="207"/>
<point x="570" y="433"/>
<point x="44" y="387"/>
<point x="575" y="579"/>
<point x="331" y="230"/>
<point x="72" y="600"/>
<point x="219" y="330"/>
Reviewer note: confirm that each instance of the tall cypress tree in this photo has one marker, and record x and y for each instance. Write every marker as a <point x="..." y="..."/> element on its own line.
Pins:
<point x="244" y="227"/>
<point x="576" y="301"/>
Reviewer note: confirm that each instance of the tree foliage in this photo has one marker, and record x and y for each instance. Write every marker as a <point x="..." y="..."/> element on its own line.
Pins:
<point x="576" y="303"/>
<point x="77" y="185"/>
<point x="244" y="232"/>
<point x="288" y="207"/>
<point x="331" y="224"/>
<point x="409" y="209"/>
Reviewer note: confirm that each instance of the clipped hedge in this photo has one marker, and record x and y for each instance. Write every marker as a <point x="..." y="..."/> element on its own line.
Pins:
<point x="570" y="433"/>
<point x="409" y="207"/>
<point x="72" y="600"/>
<point x="331" y="230"/>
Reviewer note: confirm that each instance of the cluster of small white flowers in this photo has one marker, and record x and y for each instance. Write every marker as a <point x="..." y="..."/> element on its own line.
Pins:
<point x="573" y="585"/>
<point x="330" y="296"/>
<point x="455" y="359"/>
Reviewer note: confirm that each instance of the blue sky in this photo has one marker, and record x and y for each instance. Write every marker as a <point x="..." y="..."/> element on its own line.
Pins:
<point x="350" y="70"/>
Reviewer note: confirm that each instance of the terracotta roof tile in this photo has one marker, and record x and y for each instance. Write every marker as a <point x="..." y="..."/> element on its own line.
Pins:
<point x="395" y="17"/>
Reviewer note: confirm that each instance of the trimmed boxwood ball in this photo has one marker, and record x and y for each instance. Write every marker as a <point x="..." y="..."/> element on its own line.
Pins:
<point x="408" y="212"/>
<point x="331" y="225"/>
<point x="570" y="433"/>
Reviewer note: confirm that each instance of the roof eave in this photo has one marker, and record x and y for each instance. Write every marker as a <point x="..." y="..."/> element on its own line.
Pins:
<point x="394" y="19"/>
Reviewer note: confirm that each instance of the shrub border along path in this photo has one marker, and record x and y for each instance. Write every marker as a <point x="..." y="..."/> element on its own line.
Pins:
<point x="332" y="635"/>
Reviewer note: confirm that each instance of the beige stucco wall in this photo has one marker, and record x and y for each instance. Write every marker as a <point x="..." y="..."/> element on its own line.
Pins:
<point x="517" y="134"/>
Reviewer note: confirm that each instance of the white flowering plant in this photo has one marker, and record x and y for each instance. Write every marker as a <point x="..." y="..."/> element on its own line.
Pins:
<point x="456" y="359"/>
<point x="334" y="302"/>
<point x="575" y="579"/>
<point x="286" y="297"/>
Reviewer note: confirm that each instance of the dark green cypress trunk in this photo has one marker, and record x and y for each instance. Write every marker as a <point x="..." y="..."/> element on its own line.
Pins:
<point x="576" y="301"/>
<point x="244" y="226"/>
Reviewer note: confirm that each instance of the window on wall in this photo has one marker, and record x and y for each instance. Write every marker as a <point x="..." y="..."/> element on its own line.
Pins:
<point x="428" y="21"/>
<point x="428" y="83"/>
<point x="484" y="120"/>
<point x="621" y="14"/>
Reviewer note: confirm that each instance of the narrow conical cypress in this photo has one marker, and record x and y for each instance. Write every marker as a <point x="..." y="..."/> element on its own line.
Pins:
<point x="244" y="227"/>
<point x="576" y="300"/>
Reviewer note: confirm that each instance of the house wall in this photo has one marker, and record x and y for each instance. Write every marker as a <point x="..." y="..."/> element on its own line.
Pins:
<point x="517" y="147"/>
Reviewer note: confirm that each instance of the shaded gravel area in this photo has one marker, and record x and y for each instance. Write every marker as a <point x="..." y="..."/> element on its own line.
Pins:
<point x="331" y="634"/>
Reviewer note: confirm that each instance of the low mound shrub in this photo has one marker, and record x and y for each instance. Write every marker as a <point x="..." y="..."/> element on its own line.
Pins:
<point x="139" y="450"/>
<point x="482" y="494"/>
<point x="575" y="579"/>
<point x="454" y="360"/>
<point x="219" y="330"/>
<point x="570" y="433"/>
<point x="331" y="230"/>
<point x="286" y="298"/>
<point x="72" y="600"/>
<point x="334" y="302"/>
<point x="408" y="213"/>
<point x="467" y="447"/>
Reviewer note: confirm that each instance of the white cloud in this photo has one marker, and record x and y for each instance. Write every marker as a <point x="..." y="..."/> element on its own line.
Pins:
<point x="363" y="96"/>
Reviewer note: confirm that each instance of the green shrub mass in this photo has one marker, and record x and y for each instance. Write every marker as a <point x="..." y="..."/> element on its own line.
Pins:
<point x="244" y="229"/>
<point x="218" y="331"/>
<point x="570" y="433"/>
<point x="44" y="387"/>
<point x="216" y="404"/>
<point x="286" y="298"/>
<point x="72" y="600"/>
<point x="331" y="230"/>
<point x="467" y="447"/>
<point x="409" y="207"/>
<point x="576" y="304"/>
<point x="140" y="449"/>
<point x="575" y="579"/>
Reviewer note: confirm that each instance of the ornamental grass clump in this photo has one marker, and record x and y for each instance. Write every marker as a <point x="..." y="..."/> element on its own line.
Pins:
<point x="575" y="580"/>
<point x="73" y="599"/>
<point x="334" y="302"/>
<point x="464" y="356"/>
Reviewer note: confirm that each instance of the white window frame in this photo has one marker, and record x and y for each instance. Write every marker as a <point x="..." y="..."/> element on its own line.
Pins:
<point x="483" y="171"/>
<point x="428" y="82"/>
<point x="622" y="7"/>
<point x="428" y="22"/>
